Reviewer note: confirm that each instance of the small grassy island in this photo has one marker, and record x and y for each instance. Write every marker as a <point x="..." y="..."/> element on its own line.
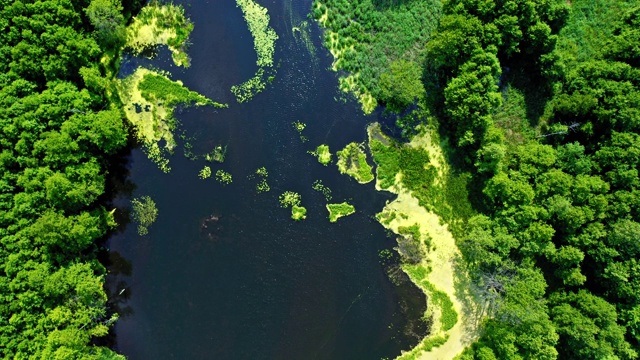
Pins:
<point x="337" y="211"/>
<point x="160" y="25"/>
<point x="293" y="199"/>
<point x="352" y="160"/>
<point x="323" y="154"/>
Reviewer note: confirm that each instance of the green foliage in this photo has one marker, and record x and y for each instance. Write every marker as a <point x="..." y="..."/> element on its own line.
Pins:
<point x="337" y="211"/>
<point x="352" y="160"/>
<point x="144" y="213"/>
<point x="366" y="37"/>
<point x="58" y="132"/>
<point x="299" y="127"/>
<point x="223" y="177"/>
<point x="262" y="175"/>
<point x="401" y="85"/>
<point x="155" y="87"/>
<point x="108" y="21"/>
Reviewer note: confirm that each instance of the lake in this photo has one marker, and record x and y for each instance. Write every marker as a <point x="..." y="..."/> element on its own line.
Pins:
<point x="225" y="273"/>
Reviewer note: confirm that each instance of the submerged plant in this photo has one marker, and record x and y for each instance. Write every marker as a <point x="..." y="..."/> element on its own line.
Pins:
<point x="337" y="211"/>
<point x="299" y="127"/>
<point x="264" y="39"/>
<point x="205" y="173"/>
<point x="289" y="198"/>
<point x="218" y="154"/>
<point x="223" y="177"/>
<point x="144" y="213"/>
<point x="320" y="187"/>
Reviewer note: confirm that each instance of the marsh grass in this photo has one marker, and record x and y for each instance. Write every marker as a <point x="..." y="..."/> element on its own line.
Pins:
<point x="160" y="25"/>
<point x="337" y="211"/>
<point x="352" y="160"/>
<point x="149" y="100"/>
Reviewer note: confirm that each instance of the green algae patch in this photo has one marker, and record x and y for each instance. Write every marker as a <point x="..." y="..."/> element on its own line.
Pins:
<point x="337" y="211"/>
<point x="264" y="40"/>
<point x="144" y="213"/>
<point x="160" y="25"/>
<point x="149" y="100"/>
<point x="352" y="160"/>
<point x="298" y="213"/>
<point x="322" y="188"/>
<point x="223" y="177"/>
<point x="299" y="126"/>
<point x="323" y="154"/>
<point x="205" y="173"/>
<point x="218" y="154"/>
<point x="261" y="174"/>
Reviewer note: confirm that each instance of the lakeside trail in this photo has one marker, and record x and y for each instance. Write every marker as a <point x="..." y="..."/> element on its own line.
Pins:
<point x="438" y="271"/>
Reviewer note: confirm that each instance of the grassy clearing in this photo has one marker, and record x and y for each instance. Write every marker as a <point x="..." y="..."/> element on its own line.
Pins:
<point x="264" y="40"/>
<point x="160" y="25"/>
<point x="337" y="211"/>
<point x="366" y="36"/>
<point x="149" y="100"/>
<point x="352" y="160"/>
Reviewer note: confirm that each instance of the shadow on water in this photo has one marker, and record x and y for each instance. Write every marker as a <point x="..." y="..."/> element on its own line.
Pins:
<point x="224" y="272"/>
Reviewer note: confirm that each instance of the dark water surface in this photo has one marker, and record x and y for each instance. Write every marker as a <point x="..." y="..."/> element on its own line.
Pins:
<point x="255" y="284"/>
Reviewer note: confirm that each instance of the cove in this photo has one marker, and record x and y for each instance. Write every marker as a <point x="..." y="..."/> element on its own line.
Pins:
<point x="225" y="273"/>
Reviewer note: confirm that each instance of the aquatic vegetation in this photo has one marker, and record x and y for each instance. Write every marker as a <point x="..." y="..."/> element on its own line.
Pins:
<point x="223" y="177"/>
<point x="264" y="39"/>
<point x="160" y="25"/>
<point x="218" y="154"/>
<point x="144" y="213"/>
<point x="352" y="160"/>
<point x="298" y="213"/>
<point x="289" y="198"/>
<point x="205" y="173"/>
<point x="302" y="33"/>
<point x="320" y="187"/>
<point x="323" y="154"/>
<point x="262" y="185"/>
<point x="337" y="211"/>
<point x="293" y="199"/>
<point x="149" y="100"/>
<point x="299" y="127"/>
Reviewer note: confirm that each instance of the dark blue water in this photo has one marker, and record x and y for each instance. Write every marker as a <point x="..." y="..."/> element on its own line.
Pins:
<point x="255" y="284"/>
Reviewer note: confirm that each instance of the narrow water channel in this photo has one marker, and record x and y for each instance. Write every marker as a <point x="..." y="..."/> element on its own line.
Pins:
<point x="254" y="284"/>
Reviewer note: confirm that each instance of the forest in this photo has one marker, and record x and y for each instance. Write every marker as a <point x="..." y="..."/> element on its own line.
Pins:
<point x="536" y="101"/>
<point x="538" y="104"/>
<point x="59" y="130"/>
